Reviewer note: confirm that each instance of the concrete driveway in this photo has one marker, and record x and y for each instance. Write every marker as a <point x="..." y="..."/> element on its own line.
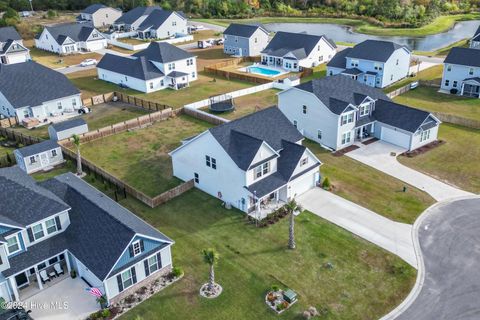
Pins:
<point x="448" y="285"/>
<point x="390" y="235"/>
<point x="377" y="155"/>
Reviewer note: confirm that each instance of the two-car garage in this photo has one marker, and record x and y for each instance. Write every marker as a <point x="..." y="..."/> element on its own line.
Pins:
<point x="395" y="136"/>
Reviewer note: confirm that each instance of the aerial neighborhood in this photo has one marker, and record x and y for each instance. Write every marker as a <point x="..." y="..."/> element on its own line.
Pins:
<point x="192" y="161"/>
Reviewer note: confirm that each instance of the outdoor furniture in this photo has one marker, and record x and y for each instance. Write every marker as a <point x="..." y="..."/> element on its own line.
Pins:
<point x="58" y="269"/>
<point x="44" y="276"/>
<point x="52" y="274"/>
<point x="290" y="296"/>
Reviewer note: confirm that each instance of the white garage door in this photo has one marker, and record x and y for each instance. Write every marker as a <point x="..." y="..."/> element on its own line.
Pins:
<point x="396" y="137"/>
<point x="302" y="184"/>
<point x="95" y="45"/>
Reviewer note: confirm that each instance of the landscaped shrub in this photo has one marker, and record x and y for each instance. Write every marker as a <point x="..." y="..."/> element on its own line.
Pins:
<point x="326" y="184"/>
<point x="453" y="91"/>
<point x="130" y="299"/>
<point x="275" y="288"/>
<point x="142" y="290"/>
<point x="177" y="272"/>
<point x="105" y="313"/>
<point x="73" y="273"/>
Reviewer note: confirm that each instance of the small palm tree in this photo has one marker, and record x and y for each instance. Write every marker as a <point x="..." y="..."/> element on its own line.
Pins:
<point x="292" y="207"/>
<point x="76" y="142"/>
<point x="210" y="256"/>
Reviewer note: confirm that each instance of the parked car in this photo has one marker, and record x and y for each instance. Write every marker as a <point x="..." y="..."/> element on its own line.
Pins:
<point x="219" y="42"/>
<point x="88" y="62"/>
<point x="202" y="44"/>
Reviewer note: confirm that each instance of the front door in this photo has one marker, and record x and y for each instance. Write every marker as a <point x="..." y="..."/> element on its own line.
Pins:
<point x="44" y="160"/>
<point x="21" y="279"/>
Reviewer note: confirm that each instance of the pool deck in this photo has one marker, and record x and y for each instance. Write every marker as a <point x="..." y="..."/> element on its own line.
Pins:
<point x="279" y="71"/>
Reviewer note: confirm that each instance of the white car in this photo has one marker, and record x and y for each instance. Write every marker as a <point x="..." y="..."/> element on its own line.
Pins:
<point x="88" y="62"/>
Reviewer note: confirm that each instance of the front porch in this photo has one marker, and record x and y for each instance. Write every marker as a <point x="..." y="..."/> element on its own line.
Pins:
<point x="35" y="286"/>
<point x="363" y="131"/>
<point x="471" y="88"/>
<point x="177" y="80"/>
<point x="260" y="208"/>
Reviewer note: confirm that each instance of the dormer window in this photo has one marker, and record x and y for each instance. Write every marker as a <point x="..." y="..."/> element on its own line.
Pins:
<point x="261" y="170"/>
<point x="51" y="226"/>
<point x="304" y="109"/>
<point x="364" y="110"/>
<point x="137" y="249"/>
<point x="38" y="232"/>
<point x="13" y="244"/>
<point x="354" y="63"/>
<point x="470" y="72"/>
<point x="449" y="68"/>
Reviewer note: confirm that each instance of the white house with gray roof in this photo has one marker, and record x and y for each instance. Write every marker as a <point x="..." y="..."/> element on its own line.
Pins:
<point x="461" y="72"/>
<point x="70" y="38"/>
<point x="99" y="15"/>
<point x="158" y="67"/>
<point x="66" y="129"/>
<point x="338" y="111"/>
<point x="256" y="163"/>
<point x="39" y="156"/>
<point x="475" y="41"/>
<point x="373" y="62"/>
<point x="50" y="228"/>
<point x="244" y="40"/>
<point x="292" y="51"/>
<point x="12" y="49"/>
<point x="31" y="90"/>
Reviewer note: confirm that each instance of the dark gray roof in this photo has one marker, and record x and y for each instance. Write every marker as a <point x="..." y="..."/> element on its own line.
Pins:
<point x="476" y="35"/>
<point x="242" y="30"/>
<point x="75" y="31"/>
<point x="155" y="19"/>
<point x="37" y="148"/>
<point x="93" y="8"/>
<point x="134" y="14"/>
<point x="339" y="60"/>
<point x="24" y="201"/>
<point x="163" y="52"/>
<point x="338" y="91"/>
<point x="400" y="116"/>
<point x="267" y="185"/>
<point x="176" y="74"/>
<point x="374" y="50"/>
<point x="9" y="33"/>
<point x="476" y="79"/>
<point x="8" y="46"/>
<point x="68" y="124"/>
<point x="464" y="56"/>
<point x="139" y="68"/>
<point x="353" y="71"/>
<point x="242" y="138"/>
<point x="30" y="84"/>
<point x="299" y="44"/>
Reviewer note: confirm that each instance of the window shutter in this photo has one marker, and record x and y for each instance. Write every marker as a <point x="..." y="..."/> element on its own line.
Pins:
<point x="119" y="282"/>
<point x="57" y="221"/>
<point x="142" y="248"/>
<point x="30" y="234"/>
<point x="159" y="261"/>
<point x="130" y="250"/>
<point x="134" y="275"/>
<point x="147" y="269"/>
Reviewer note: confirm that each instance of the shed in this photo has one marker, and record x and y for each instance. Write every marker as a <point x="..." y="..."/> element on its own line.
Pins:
<point x="290" y="296"/>
<point x="40" y="156"/>
<point x="66" y="129"/>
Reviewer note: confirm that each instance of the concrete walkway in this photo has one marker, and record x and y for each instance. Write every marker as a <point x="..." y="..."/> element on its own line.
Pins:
<point x="392" y="236"/>
<point x="377" y="155"/>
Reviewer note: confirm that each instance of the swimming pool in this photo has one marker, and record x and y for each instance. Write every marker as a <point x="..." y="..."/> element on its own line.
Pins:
<point x="263" y="71"/>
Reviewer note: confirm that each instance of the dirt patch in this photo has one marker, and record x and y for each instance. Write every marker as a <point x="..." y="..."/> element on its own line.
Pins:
<point x="369" y="141"/>
<point x="423" y="149"/>
<point x="340" y="153"/>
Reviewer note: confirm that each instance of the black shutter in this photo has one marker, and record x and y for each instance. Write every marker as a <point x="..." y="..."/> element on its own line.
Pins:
<point x="142" y="248"/>
<point x="30" y="234"/>
<point x="130" y="250"/>
<point x="159" y="261"/>
<point x="147" y="269"/>
<point x="120" y="283"/>
<point x="134" y="275"/>
<point x="57" y="221"/>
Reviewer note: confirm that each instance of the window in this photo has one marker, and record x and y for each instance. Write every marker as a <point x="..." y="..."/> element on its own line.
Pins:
<point x="354" y="63"/>
<point x="153" y="264"/>
<point x="137" y="248"/>
<point x="364" y="78"/>
<point x="330" y="73"/>
<point x="295" y="123"/>
<point x="303" y="162"/>
<point x="449" y="68"/>
<point x="74" y="103"/>
<point x="425" y="135"/>
<point x="208" y="161"/>
<point x="127" y="279"/>
<point x="59" y="105"/>
<point x="51" y="226"/>
<point x="470" y="72"/>
<point x="161" y="83"/>
<point x="304" y="109"/>
<point x="53" y="260"/>
<point x="346" y="118"/>
<point x="364" y="110"/>
<point x="350" y="118"/>
<point x="32" y="160"/>
<point x="261" y="170"/>
<point x="391" y="77"/>
<point x="13" y="245"/>
<point x="455" y="84"/>
<point x="397" y="62"/>
<point x="320" y="58"/>
<point x="236" y="39"/>
<point x="256" y="40"/>
<point x="447" y="82"/>
<point x="319" y="134"/>
<point x="38" y="231"/>
<point x="151" y="85"/>
<point x="193" y="74"/>
<point x="214" y="163"/>
<point x="346" y="137"/>
<point x="196" y="178"/>
<point x="211" y="162"/>
<point x="265" y="167"/>
<point x="41" y="266"/>
<point x="126" y="79"/>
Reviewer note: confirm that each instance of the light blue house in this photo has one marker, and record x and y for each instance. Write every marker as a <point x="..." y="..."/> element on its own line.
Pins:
<point x="372" y="62"/>
<point x="461" y="72"/>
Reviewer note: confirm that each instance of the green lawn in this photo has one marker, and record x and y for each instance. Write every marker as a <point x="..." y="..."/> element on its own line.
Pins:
<point x="371" y="188"/>
<point x="5" y="149"/>
<point x="445" y="50"/>
<point x="318" y="72"/>
<point x="140" y="157"/>
<point x="456" y="161"/>
<point x="365" y="282"/>
<point x="54" y="61"/>
<point x="428" y="98"/>
<point x="433" y="73"/>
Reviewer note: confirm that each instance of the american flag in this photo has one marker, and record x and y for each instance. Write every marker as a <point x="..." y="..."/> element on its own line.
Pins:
<point x="94" y="292"/>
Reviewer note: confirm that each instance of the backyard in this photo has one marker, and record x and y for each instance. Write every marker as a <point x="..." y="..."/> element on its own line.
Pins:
<point x="430" y="74"/>
<point x="140" y="157"/>
<point x="456" y="161"/>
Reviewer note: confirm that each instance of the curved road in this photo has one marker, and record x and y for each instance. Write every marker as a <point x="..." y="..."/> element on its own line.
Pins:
<point x="449" y="238"/>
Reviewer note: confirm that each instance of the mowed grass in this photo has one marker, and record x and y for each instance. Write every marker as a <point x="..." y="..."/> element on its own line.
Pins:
<point x="445" y="50"/>
<point x="456" y="161"/>
<point x="430" y="74"/>
<point x="428" y="98"/>
<point x="140" y="157"/>
<point x="371" y="188"/>
<point x="364" y="283"/>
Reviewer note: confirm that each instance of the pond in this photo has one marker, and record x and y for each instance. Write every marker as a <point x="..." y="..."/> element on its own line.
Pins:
<point x="461" y="30"/>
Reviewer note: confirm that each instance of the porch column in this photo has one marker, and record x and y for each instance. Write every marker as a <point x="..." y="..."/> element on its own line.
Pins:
<point x="67" y="260"/>
<point x="14" y="288"/>
<point x="37" y="274"/>
<point x="463" y="87"/>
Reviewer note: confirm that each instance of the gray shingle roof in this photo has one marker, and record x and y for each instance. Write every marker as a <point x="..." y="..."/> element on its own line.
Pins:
<point x="353" y="71"/>
<point x="374" y="50"/>
<point x="75" y="31"/>
<point x="9" y="33"/>
<point x="93" y="8"/>
<point x="23" y="201"/>
<point x="134" y="14"/>
<point x="163" y="52"/>
<point x="37" y="148"/>
<point x="337" y="91"/>
<point x="476" y="35"/>
<point x="155" y="19"/>
<point x="134" y="67"/>
<point x="30" y="84"/>
<point x="242" y="30"/>
<point x="242" y="138"/>
<point x="68" y="124"/>
<point x="339" y="60"/>
<point x="300" y="44"/>
<point x="464" y="56"/>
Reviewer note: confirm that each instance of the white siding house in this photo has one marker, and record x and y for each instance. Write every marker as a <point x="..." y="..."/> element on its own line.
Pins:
<point x="244" y="40"/>
<point x="99" y="15"/>
<point x="40" y="156"/>
<point x="461" y="72"/>
<point x="66" y="129"/>
<point x="12" y="49"/>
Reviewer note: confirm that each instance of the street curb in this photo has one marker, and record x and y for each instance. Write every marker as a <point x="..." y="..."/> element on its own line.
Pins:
<point x="417" y="288"/>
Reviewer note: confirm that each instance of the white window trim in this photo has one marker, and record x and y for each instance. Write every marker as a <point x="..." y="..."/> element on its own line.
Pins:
<point x="54" y="224"/>
<point x="156" y="263"/>
<point x="124" y="280"/>
<point x="43" y="230"/>
<point x="18" y="243"/>
<point x="137" y="242"/>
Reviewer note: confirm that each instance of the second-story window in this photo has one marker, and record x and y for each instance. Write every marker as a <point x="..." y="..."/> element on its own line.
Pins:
<point x="304" y="109"/>
<point x="261" y="170"/>
<point x="449" y="68"/>
<point x="13" y="245"/>
<point x="303" y="162"/>
<point x="38" y="231"/>
<point x="51" y="226"/>
<point x="211" y="162"/>
<point x="470" y="72"/>
<point x="364" y="110"/>
<point x="137" y="249"/>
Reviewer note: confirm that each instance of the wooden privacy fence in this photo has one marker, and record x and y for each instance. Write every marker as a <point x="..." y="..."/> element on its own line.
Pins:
<point x="205" y="116"/>
<point x="145" y="104"/>
<point x="19" y="137"/>
<point x="8" y="122"/>
<point x="469" y="123"/>
<point x="101" y="98"/>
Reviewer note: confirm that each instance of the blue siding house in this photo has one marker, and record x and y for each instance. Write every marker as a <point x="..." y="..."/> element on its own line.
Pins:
<point x="372" y="62"/>
<point x="461" y="72"/>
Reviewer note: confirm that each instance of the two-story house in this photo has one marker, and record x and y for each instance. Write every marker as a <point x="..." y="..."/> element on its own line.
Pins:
<point x="475" y="41"/>
<point x="12" y="49"/>
<point x="160" y="66"/>
<point x="373" y="62"/>
<point x="31" y="90"/>
<point x="338" y="111"/>
<point x="70" y="38"/>
<point x="292" y="51"/>
<point x="244" y="40"/>
<point x="99" y="15"/>
<point x="461" y="72"/>
<point x="51" y="228"/>
<point x="256" y="163"/>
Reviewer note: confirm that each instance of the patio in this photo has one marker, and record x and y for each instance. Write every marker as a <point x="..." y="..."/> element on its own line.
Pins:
<point x="267" y="204"/>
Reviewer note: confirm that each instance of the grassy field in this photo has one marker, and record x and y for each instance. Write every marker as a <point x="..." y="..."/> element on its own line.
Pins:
<point x="140" y="157"/>
<point x="5" y="149"/>
<point x="428" y="98"/>
<point x="371" y="188"/>
<point x="433" y="73"/>
<point x="456" y="161"/>
<point x="318" y="72"/>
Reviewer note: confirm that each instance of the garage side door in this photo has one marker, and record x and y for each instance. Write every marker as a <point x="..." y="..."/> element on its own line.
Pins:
<point x="396" y="137"/>
<point x="86" y="274"/>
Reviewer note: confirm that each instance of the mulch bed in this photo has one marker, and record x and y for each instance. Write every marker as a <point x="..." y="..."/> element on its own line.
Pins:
<point x="369" y="141"/>
<point x="423" y="149"/>
<point x="340" y="153"/>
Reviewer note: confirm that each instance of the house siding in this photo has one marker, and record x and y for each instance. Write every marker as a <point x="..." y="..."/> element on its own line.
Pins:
<point x="65" y="134"/>
<point x="391" y="69"/>
<point x="248" y="46"/>
<point x="42" y="160"/>
<point x="49" y="108"/>
<point x="167" y="29"/>
<point x="104" y="17"/>
<point x="149" y="246"/>
<point x="457" y="73"/>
